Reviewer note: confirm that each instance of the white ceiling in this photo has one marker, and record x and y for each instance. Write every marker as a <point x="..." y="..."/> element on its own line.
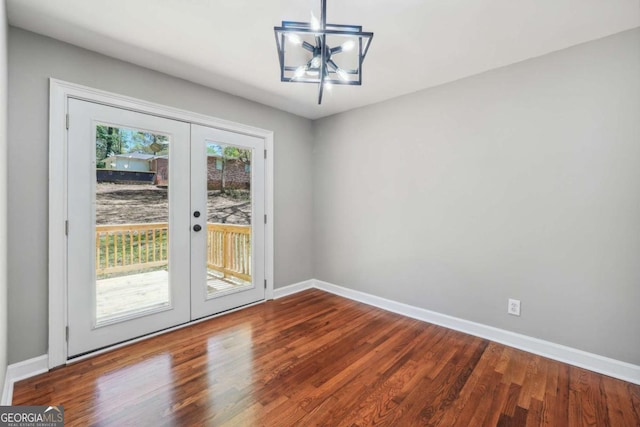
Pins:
<point x="229" y="45"/>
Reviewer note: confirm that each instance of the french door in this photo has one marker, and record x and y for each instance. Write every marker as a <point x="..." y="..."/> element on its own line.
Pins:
<point x="227" y="250"/>
<point x="164" y="223"/>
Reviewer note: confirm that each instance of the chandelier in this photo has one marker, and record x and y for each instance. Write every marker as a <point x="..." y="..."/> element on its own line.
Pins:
<point x="321" y="53"/>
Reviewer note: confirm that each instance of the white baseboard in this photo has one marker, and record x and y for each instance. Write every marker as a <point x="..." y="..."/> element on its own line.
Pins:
<point x="292" y="289"/>
<point x="20" y="371"/>
<point x="593" y="362"/>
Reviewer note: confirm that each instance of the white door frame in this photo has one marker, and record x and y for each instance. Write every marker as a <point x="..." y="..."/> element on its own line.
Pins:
<point x="59" y="93"/>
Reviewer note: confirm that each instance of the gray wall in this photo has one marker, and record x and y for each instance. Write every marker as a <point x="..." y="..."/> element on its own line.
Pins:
<point x="32" y="60"/>
<point x="521" y="182"/>
<point x="3" y="190"/>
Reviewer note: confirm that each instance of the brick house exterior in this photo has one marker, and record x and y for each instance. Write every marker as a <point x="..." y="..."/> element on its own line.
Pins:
<point x="161" y="167"/>
<point x="237" y="174"/>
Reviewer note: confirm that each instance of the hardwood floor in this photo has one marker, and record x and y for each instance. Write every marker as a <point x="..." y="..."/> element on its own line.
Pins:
<point x="317" y="359"/>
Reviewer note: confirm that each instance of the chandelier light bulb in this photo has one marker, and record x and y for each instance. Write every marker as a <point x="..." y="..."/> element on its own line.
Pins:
<point x="315" y="24"/>
<point x="315" y="62"/>
<point x="342" y="74"/>
<point x="299" y="72"/>
<point x="348" y="45"/>
<point x="295" y="39"/>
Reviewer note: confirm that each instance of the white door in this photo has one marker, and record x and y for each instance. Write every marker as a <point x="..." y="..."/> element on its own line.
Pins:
<point x="128" y="239"/>
<point x="165" y="223"/>
<point x="227" y="201"/>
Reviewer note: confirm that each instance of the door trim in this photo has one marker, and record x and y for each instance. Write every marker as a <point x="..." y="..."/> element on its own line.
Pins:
<point x="59" y="93"/>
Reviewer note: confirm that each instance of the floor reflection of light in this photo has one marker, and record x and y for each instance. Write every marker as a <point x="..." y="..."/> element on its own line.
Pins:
<point x="143" y="389"/>
<point x="230" y="368"/>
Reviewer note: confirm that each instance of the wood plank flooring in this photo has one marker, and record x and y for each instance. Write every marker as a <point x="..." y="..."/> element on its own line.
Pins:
<point x="317" y="359"/>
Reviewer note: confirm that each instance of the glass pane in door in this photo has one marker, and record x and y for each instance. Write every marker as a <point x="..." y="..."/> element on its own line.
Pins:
<point x="229" y="210"/>
<point x="131" y="223"/>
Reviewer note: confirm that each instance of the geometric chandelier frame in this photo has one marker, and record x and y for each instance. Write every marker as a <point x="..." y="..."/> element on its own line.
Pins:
<point x="315" y="52"/>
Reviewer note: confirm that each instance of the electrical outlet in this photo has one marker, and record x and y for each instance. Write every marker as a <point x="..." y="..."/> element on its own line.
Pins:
<point x="514" y="307"/>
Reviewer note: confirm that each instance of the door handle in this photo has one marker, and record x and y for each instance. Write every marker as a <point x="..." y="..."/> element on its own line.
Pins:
<point x="197" y="227"/>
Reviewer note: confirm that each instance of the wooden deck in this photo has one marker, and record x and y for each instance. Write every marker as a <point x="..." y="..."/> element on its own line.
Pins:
<point x="119" y="296"/>
<point x="317" y="359"/>
<point x="126" y="294"/>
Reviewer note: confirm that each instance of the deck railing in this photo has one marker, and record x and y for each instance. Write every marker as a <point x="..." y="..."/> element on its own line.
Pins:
<point x="129" y="247"/>
<point x="229" y="250"/>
